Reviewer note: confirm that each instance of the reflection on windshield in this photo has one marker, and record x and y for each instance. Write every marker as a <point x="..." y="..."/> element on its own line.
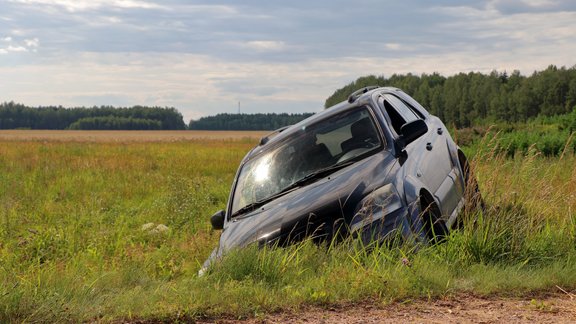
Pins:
<point x="262" y="171"/>
<point x="315" y="147"/>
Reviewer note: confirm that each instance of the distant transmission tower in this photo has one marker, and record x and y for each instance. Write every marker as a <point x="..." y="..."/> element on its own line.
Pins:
<point x="238" y="107"/>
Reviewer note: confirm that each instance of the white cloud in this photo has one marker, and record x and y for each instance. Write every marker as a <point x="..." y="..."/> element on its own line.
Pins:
<point x="83" y="5"/>
<point x="533" y="6"/>
<point x="34" y="42"/>
<point x="210" y="9"/>
<point x="16" y="49"/>
<point x="265" y="45"/>
<point x="19" y="47"/>
<point x="523" y="32"/>
<point x="281" y="56"/>
<point x="200" y="85"/>
<point x="539" y="3"/>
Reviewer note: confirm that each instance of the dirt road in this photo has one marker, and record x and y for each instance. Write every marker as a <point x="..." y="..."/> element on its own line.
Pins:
<point x="559" y="308"/>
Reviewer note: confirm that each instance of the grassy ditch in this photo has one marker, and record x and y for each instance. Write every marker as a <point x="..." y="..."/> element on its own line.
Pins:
<point x="73" y="245"/>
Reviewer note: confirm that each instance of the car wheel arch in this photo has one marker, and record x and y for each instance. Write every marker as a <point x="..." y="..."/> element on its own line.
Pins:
<point x="464" y="165"/>
<point x="432" y="227"/>
<point x="472" y="194"/>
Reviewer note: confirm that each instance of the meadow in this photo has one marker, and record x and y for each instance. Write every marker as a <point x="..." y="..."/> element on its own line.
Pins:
<point x="79" y="235"/>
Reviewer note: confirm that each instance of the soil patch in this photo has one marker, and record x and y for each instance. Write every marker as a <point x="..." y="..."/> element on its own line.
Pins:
<point x="559" y="308"/>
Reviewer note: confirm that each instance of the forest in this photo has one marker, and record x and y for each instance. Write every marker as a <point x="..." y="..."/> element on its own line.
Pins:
<point x="246" y="121"/>
<point x="18" y="116"/>
<point x="14" y="116"/>
<point x="469" y="99"/>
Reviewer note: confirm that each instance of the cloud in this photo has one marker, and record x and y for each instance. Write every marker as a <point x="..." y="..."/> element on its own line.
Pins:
<point x="201" y="85"/>
<point x="34" y="42"/>
<point x="84" y="5"/>
<point x="511" y="7"/>
<point x="204" y="57"/>
<point x="13" y="46"/>
<point x="16" y="49"/>
<point x="101" y="99"/>
<point x="490" y="31"/>
<point x="243" y="87"/>
<point x="265" y="45"/>
<point x="393" y="46"/>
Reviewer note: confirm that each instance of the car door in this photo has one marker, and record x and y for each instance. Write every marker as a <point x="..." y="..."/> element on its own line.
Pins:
<point x="432" y="159"/>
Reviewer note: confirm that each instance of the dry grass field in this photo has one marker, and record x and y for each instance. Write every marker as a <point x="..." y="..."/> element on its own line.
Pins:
<point x="124" y="136"/>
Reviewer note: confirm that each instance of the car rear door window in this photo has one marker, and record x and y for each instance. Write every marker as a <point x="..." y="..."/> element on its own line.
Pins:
<point x="398" y="112"/>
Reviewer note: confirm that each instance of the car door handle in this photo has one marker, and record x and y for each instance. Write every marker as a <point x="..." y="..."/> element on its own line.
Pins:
<point x="429" y="146"/>
<point x="439" y="131"/>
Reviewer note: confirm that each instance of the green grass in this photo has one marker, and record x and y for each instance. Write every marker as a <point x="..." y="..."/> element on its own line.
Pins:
<point x="550" y="136"/>
<point x="72" y="246"/>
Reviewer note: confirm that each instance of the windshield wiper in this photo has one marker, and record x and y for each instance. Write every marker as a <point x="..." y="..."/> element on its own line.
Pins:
<point x="256" y="204"/>
<point x="309" y="177"/>
<point x="249" y="207"/>
<point x="319" y="174"/>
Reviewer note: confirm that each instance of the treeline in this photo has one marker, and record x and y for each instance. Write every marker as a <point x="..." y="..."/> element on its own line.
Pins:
<point x="246" y="121"/>
<point x="468" y="99"/>
<point x="115" y="123"/>
<point x="13" y="115"/>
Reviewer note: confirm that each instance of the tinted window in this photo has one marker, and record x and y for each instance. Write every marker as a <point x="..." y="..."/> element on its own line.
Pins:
<point x="398" y="112"/>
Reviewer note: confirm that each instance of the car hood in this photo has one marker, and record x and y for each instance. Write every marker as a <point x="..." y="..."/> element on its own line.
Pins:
<point x="312" y="210"/>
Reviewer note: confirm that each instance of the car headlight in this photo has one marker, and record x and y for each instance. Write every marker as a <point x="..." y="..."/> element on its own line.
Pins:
<point x="381" y="202"/>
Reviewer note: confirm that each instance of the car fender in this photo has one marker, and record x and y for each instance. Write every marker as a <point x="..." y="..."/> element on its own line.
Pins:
<point x="413" y="187"/>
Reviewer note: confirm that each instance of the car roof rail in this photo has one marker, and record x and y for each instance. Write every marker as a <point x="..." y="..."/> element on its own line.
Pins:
<point x="356" y="94"/>
<point x="266" y="138"/>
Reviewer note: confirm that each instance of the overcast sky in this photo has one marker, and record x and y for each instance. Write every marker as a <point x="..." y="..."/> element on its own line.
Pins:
<point x="203" y="57"/>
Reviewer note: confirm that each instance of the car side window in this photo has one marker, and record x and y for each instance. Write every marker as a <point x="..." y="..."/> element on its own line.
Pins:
<point x="398" y="112"/>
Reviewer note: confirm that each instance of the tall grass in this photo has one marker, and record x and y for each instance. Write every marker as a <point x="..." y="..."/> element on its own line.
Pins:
<point x="550" y="136"/>
<point x="71" y="218"/>
<point x="72" y="246"/>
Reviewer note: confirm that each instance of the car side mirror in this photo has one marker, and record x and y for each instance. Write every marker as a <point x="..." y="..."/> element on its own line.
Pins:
<point x="217" y="220"/>
<point x="411" y="131"/>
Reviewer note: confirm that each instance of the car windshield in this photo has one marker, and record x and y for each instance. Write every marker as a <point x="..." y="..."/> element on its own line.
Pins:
<point x="311" y="153"/>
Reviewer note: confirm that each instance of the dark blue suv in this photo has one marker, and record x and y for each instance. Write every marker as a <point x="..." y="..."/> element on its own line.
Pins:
<point x="373" y="166"/>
